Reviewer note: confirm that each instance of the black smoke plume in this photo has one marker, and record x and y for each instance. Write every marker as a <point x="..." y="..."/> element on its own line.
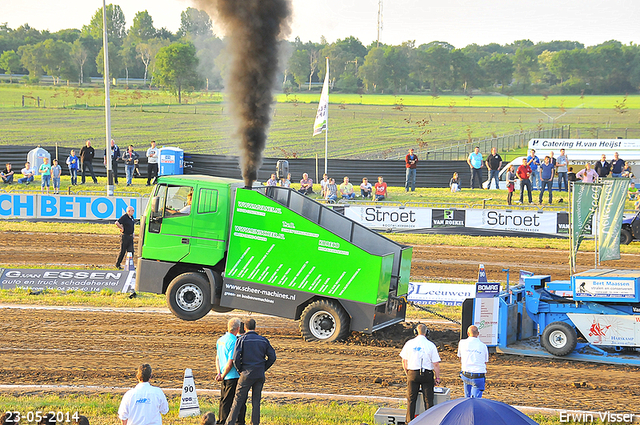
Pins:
<point x="253" y="29"/>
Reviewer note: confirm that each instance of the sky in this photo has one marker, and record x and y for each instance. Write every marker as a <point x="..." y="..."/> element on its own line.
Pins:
<point x="458" y="22"/>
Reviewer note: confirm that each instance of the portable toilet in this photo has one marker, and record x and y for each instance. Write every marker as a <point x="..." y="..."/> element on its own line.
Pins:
<point x="36" y="158"/>
<point x="171" y="161"/>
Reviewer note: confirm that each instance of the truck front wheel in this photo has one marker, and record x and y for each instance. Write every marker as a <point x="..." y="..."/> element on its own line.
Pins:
<point x="625" y="236"/>
<point x="189" y="296"/>
<point x="559" y="338"/>
<point x="324" y="321"/>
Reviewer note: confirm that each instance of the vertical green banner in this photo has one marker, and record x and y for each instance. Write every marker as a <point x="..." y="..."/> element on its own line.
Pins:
<point x="611" y="205"/>
<point x="585" y="203"/>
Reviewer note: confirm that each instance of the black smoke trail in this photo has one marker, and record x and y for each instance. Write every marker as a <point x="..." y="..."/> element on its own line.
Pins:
<point x="253" y="29"/>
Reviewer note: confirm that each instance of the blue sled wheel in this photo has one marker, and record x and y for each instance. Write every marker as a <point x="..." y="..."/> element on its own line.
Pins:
<point x="559" y="338"/>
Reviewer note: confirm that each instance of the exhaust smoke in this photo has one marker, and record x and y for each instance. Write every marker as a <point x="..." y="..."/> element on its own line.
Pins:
<point x="253" y="29"/>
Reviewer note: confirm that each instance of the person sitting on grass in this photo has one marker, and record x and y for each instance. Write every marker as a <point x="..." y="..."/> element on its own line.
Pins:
<point x="272" y="181"/>
<point x="7" y="174"/>
<point x="365" y="188"/>
<point x="306" y="185"/>
<point x="331" y="191"/>
<point x="27" y="174"/>
<point x="346" y="189"/>
<point x="454" y="183"/>
<point x="633" y="191"/>
<point x="381" y="189"/>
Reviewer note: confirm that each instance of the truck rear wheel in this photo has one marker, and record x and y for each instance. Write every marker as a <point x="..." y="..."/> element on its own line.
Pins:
<point x="559" y="338"/>
<point x="625" y="236"/>
<point x="189" y="296"/>
<point x="324" y="321"/>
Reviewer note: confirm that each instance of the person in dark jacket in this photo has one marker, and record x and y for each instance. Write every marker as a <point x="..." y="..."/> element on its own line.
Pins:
<point x="253" y="356"/>
<point x="603" y="168"/>
<point x="86" y="158"/>
<point x="115" y="157"/>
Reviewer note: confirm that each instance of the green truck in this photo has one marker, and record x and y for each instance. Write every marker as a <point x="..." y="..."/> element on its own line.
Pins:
<point x="209" y="243"/>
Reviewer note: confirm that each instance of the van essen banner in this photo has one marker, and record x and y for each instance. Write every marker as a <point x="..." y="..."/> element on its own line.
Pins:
<point x="417" y="219"/>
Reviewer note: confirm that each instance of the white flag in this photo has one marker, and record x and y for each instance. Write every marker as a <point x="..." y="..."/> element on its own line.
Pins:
<point x="323" y="107"/>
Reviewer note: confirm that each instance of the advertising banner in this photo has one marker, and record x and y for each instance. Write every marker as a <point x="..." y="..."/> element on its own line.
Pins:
<point x="439" y="293"/>
<point x="64" y="280"/>
<point x="623" y="288"/>
<point x="608" y="329"/>
<point x="611" y="205"/>
<point x="447" y="218"/>
<point x="487" y="289"/>
<point x="72" y="207"/>
<point x="390" y="217"/>
<point x="584" y="204"/>
<point x="508" y="220"/>
<point x="485" y="317"/>
<point x="272" y="245"/>
<point x="598" y="146"/>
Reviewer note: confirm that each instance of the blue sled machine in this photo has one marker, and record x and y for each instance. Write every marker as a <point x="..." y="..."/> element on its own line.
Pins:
<point x="595" y="317"/>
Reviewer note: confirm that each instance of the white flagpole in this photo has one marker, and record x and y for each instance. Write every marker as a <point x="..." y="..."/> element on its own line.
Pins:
<point x="107" y="102"/>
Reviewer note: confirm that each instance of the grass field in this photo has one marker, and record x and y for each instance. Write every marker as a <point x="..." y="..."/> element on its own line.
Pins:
<point x="367" y="126"/>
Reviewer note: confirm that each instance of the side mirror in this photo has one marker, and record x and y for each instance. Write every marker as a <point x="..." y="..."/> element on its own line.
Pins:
<point x="155" y="205"/>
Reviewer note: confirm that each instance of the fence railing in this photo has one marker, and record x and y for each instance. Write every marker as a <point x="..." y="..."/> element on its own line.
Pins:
<point x="504" y="143"/>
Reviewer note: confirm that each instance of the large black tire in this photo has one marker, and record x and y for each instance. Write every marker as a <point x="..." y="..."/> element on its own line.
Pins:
<point x="324" y="321"/>
<point x="559" y="338"/>
<point x="189" y="296"/>
<point x="625" y="236"/>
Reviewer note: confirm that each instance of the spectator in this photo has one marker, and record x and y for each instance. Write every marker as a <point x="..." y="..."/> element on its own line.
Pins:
<point x="546" y="175"/>
<point x="272" y="181"/>
<point x="524" y="174"/>
<point x="306" y="185"/>
<point x="475" y="164"/>
<point x="145" y="403"/>
<point x="253" y="356"/>
<point x="56" y="172"/>
<point x="365" y="188"/>
<point x="561" y="167"/>
<point x="346" y="190"/>
<point x="27" y="174"/>
<point x="552" y="160"/>
<point x="381" y="189"/>
<point x="153" y="154"/>
<point x="511" y="183"/>
<point x="74" y="165"/>
<point x="323" y="184"/>
<point x="227" y="374"/>
<point x="86" y="158"/>
<point x="411" y="162"/>
<point x="454" y="183"/>
<point x="209" y="418"/>
<point x="603" y="168"/>
<point x="130" y="157"/>
<point x="115" y="155"/>
<point x="633" y="191"/>
<point x="626" y="171"/>
<point x="494" y="165"/>
<point x="286" y="182"/>
<point x="571" y="176"/>
<point x="587" y="175"/>
<point x="7" y="174"/>
<point x="331" y="191"/>
<point x="45" y="172"/>
<point x="534" y="162"/>
<point x="617" y="165"/>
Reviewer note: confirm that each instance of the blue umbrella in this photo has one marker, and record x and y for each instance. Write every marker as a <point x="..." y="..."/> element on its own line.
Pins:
<point x="473" y="411"/>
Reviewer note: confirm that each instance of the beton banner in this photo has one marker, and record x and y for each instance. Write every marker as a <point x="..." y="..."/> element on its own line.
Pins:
<point x="64" y="280"/>
<point x="440" y="293"/>
<point x="72" y="207"/>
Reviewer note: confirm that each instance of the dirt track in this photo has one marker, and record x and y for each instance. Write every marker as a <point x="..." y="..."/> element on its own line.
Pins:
<point x="101" y="348"/>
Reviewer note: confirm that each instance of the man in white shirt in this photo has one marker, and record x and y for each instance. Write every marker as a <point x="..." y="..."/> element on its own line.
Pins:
<point x="144" y="404"/>
<point x="474" y="357"/>
<point x="420" y="361"/>
<point x="152" y="162"/>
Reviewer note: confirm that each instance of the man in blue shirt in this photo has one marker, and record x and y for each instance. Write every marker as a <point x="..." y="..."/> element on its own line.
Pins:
<point x="534" y="162"/>
<point x="475" y="164"/>
<point x="617" y="165"/>
<point x="253" y="356"/>
<point x="547" y="170"/>
<point x="227" y="373"/>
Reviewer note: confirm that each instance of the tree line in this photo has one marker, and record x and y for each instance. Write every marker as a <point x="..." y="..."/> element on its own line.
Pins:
<point x="194" y="58"/>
